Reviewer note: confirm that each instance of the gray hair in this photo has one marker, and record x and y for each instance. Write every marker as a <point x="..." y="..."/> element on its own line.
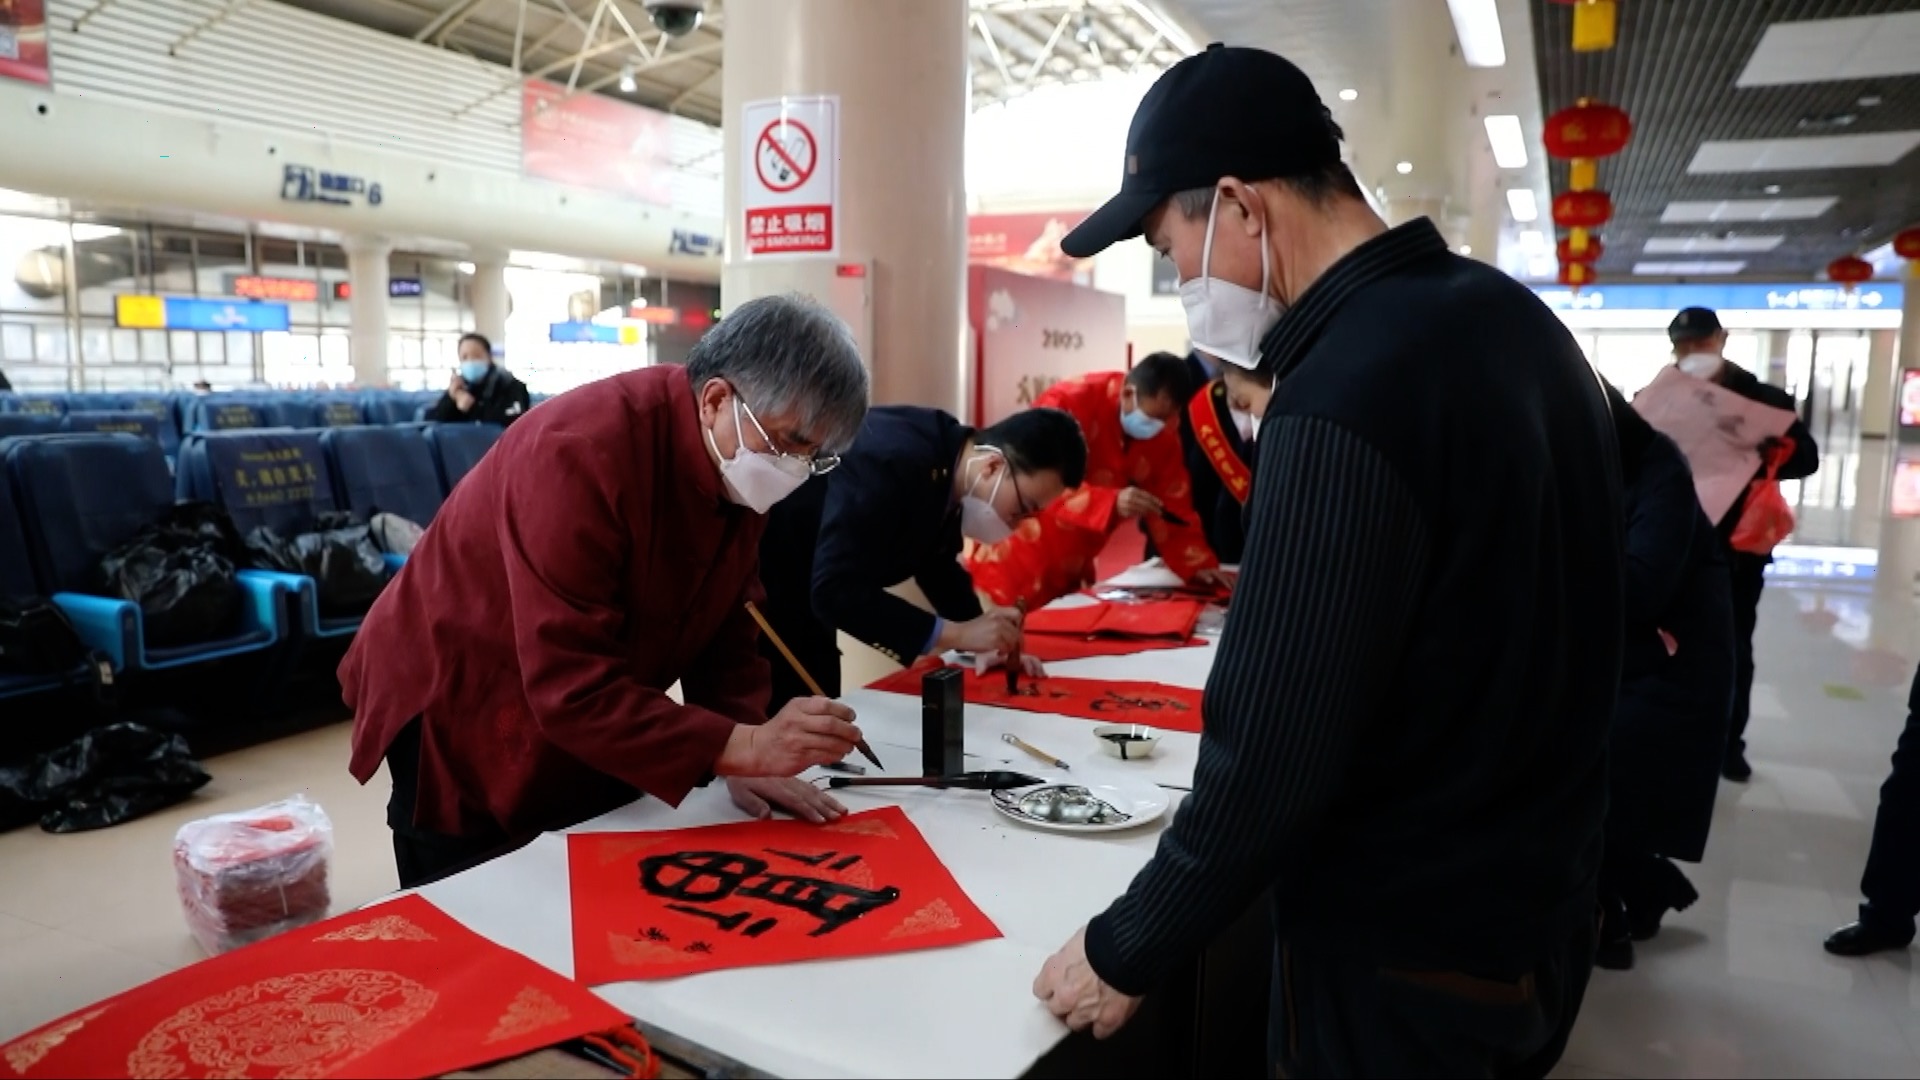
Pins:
<point x="789" y="354"/>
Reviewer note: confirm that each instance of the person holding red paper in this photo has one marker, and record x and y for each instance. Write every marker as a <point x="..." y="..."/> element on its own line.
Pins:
<point x="1134" y="470"/>
<point x="514" y="675"/>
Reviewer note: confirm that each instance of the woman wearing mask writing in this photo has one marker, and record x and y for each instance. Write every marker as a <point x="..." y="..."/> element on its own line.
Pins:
<point x="481" y="390"/>
<point x="914" y="485"/>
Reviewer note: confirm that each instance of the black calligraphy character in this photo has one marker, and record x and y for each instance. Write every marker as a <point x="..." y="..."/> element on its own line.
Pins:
<point x="705" y="877"/>
<point x="1113" y="702"/>
<point x="654" y="933"/>
<point x="700" y="948"/>
<point x="760" y="927"/>
<point x="844" y="863"/>
<point x="727" y="922"/>
<point x="810" y="860"/>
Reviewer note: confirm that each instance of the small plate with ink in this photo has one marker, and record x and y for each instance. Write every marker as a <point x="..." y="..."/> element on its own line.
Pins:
<point x="1089" y="807"/>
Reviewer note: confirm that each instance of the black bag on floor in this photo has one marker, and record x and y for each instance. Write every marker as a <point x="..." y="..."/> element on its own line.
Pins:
<point x="105" y="777"/>
<point x="180" y="570"/>
<point x="340" y="556"/>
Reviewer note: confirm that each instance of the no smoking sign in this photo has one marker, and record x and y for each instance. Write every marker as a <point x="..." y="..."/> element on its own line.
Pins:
<point x="790" y="184"/>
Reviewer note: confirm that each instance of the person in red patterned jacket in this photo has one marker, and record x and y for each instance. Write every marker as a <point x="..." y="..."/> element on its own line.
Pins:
<point x="1135" y="469"/>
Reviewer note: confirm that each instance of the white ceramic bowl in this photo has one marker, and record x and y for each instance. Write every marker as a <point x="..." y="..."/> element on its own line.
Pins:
<point x="1128" y="742"/>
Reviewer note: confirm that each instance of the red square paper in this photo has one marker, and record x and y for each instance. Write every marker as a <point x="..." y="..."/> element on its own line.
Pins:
<point x="1172" y="708"/>
<point x="1169" y="618"/>
<point x="397" y="990"/>
<point x="655" y="905"/>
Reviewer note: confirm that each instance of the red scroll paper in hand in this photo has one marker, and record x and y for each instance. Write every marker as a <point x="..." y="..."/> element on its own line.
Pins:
<point x="399" y="989"/>
<point x="657" y="905"/>
<point x="1172" y="708"/>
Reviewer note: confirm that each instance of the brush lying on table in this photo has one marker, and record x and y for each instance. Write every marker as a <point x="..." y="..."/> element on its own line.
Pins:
<point x="967" y="781"/>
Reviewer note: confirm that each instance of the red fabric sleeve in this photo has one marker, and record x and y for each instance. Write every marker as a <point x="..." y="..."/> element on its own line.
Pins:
<point x="1164" y="475"/>
<point x="566" y="551"/>
<point x="731" y="677"/>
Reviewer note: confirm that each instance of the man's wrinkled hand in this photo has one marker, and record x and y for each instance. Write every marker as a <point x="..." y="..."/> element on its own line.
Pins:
<point x="758" y="796"/>
<point x="1071" y="991"/>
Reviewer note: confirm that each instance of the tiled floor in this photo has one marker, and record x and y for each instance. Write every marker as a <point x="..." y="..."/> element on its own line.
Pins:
<point x="1737" y="986"/>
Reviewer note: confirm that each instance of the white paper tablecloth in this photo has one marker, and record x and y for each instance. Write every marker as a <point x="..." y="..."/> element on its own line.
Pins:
<point x="963" y="1011"/>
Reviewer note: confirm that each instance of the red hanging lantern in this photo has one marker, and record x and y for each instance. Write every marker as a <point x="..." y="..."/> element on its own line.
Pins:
<point x="1595" y="249"/>
<point x="1584" y="133"/>
<point x="1580" y="211"/>
<point x="1906" y="243"/>
<point x="1576" y="274"/>
<point x="1850" y="270"/>
<point x="1595" y="24"/>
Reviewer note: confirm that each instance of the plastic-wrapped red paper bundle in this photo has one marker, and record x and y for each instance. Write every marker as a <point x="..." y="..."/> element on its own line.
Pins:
<point x="247" y="876"/>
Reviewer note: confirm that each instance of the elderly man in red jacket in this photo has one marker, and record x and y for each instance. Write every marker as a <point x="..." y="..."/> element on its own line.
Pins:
<point x="514" y="676"/>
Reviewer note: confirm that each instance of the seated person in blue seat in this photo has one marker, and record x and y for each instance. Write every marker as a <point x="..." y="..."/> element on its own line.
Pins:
<point x="481" y="390"/>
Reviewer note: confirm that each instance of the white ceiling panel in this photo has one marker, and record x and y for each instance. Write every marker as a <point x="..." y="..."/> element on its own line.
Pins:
<point x="1822" y="50"/>
<point x="1704" y="267"/>
<point x="1711" y="245"/>
<point x="1708" y="211"/>
<point x="1815" y="152"/>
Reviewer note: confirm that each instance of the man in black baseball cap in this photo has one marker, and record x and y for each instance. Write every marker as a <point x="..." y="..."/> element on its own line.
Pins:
<point x="1406" y="721"/>
<point x="1700" y="350"/>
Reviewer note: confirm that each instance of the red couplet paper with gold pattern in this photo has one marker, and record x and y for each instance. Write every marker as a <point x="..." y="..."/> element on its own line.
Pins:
<point x="1172" y="708"/>
<point x="1056" y="647"/>
<point x="1142" y="619"/>
<point x="656" y="905"/>
<point x="399" y="989"/>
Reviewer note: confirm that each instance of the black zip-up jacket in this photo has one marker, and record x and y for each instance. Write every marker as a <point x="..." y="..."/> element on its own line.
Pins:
<point x="498" y="399"/>
<point x="1406" y="724"/>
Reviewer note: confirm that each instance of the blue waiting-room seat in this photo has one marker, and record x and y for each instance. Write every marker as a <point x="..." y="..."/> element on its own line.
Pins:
<point x="143" y="425"/>
<point x="384" y="470"/>
<point x="457" y="448"/>
<point x="17" y="584"/>
<point x="82" y="496"/>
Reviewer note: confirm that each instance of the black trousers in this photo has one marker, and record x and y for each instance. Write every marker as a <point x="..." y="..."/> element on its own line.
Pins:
<point x="1891" y="883"/>
<point x="421" y="856"/>
<point x="1749" y="577"/>
<point x="1335" y="1016"/>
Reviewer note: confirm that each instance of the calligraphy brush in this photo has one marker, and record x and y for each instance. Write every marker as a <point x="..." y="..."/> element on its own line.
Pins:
<point x="1013" y="657"/>
<point x="968" y="781"/>
<point x="1174" y="519"/>
<point x="798" y="669"/>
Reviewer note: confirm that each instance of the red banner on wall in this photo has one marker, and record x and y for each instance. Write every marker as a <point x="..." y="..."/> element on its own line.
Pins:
<point x="23" y="40"/>
<point x="1027" y="244"/>
<point x="593" y="141"/>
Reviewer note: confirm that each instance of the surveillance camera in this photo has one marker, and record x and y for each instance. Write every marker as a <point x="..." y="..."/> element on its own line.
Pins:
<point x="676" y="18"/>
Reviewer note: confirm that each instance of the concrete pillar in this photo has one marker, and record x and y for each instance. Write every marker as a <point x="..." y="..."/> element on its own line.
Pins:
<point x="487" y="288"/>
<point x="368" y="273"/>
<point x="1423" y="83"/>
<point x="900" y="71"/>
<point x="1876" y="399"/>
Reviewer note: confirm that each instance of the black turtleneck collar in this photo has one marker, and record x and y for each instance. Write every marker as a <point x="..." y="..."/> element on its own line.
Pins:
<point x="1383" y="256"/>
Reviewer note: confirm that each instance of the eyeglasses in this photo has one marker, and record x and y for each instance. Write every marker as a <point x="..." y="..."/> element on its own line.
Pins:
<point x="817" y="464"/>
<point x="1026" y="508"/>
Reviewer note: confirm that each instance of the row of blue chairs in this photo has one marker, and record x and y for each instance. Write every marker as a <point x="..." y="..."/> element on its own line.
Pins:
<point x="175" y="415"/>
<point x="67" y="500"/>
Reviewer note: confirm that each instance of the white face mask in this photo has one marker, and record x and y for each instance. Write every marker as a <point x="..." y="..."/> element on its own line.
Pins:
<point x="1224" y="319"/>
<point x="979" y="521"/>
<point x="1700" y="365"/>
<point x="753" y="479"/>
<point x="1244" y="423"/>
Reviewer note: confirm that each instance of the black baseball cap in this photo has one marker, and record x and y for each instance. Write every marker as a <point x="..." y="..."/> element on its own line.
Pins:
<point x="1224" y="111"/>
<point x="1692" y="324"/>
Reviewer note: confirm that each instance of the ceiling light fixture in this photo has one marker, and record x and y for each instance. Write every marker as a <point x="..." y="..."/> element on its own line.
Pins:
<point x="1404" y="168"/>
<point x="1533" y="240"/>
<point x="1771" y="189"/>
<point x="466" y="268"/>
<point x="1508" y="141"/>
<point x="1522" y="203"/>
<point x="1084" y="32"/>
<point x="627" y="83"/>
<point x="1466" y="249"/>
<point x="1477" y="24"/>
<point x="85" y="231"/>
<point x="1349" y="94"/>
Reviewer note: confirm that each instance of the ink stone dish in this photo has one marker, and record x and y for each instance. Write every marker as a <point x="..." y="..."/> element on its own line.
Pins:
<point x="1128" y="742"/>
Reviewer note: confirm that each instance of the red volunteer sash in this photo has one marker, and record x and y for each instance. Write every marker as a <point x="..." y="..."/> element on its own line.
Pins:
<point x="1209" y="414"/>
